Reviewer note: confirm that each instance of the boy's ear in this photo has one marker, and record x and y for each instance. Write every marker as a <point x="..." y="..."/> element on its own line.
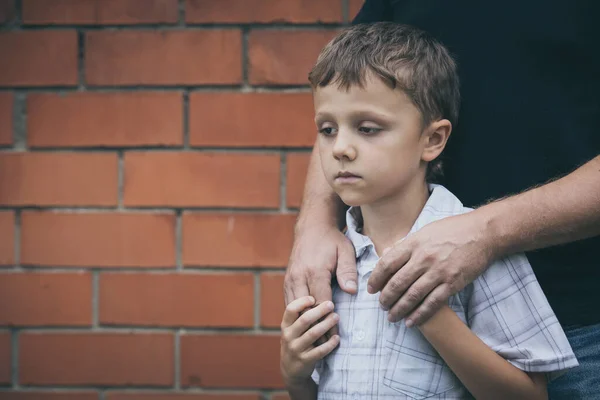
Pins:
<point x="435" y="137"/>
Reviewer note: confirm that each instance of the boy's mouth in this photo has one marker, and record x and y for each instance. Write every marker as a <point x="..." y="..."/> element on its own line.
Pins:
<point x="346" y="177"/>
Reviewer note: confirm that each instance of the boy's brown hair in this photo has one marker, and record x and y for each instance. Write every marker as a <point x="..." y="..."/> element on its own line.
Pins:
<point x="403" y="57"/>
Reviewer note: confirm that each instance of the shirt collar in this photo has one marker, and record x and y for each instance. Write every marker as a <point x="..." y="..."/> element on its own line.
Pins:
<point x="441" y="203"/>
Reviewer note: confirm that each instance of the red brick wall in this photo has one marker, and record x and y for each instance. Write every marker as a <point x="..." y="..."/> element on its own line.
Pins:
<point x="152" y="157"/>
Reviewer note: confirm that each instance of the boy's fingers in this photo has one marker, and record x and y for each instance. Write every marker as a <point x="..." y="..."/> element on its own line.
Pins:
<point x="317" y="331"/>
<point x="321" y="351"/>
<point x="310" y="317"/>
<point x="294" y="309"/>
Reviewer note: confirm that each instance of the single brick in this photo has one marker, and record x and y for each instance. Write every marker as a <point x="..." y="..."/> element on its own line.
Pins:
<point x="234" y="361"/>
<point x="233" y="240"/>
<point x="40" y="395"/>
<point x="41" y="299"/>
<point x="192" y="57"/>
<point x="39" y="58"/>
<point x="97" y="239"/>
<point x="105" y="119"/>
<point x="272" y="303"/>
<point x="7" y="233"/>
<point x="5" y="358"/>
<point x="201" y="180"/>
<point x="263" y="11"/>
<point x="177" y="300"/>
<point x="115" y="359"/>
<point x="6" y="118"/>
<point x="252" y="119"/>
<point x="92" y="12"/>
<point x="284" y="57"/>
<point x="55" y="179"/>
<point x="297" y="167"/>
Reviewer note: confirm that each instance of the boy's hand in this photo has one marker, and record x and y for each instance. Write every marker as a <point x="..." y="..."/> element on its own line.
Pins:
<point x="300" y="330"/>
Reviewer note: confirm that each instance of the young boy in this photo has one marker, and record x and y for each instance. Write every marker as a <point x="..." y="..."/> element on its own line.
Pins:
<point x="386" y="97"/>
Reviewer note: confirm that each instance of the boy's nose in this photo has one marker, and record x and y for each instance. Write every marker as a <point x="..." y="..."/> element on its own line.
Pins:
<point x="343" y="148"/>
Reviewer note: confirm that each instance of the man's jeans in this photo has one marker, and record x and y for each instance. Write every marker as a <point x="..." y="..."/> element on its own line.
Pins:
<point x="582" y="382"/>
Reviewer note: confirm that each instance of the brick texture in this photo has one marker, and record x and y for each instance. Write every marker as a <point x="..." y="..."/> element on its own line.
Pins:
<point x="97" y="239"/>
<point x="180" y="396"/>
<point x="40" y="395"/>
<point x="118" y="12"/>
<point x="39" y="58"/>
<point x="253" y="119"/>
<point x="284" y="57"/>
<point x="96" y="359"/>
<point x="272" y="303"/>
<point x="7" y="11"/>
<point x="207" y="360"/>
<point x="153" y="155"/>
<point x="6" y="118"/>
<point x="297" y="166"/>
<point x="42" y="299"/>
<point x="105" y="119"/>
<point x="7" y="233"/>
<point x="233" y="240"/>
<point x="193" y="57"/>
<point x="263" y="11"/>
<point x="58" y="179"/>
<point x="5" y="357"/>
<point x="177" y="300"/>
<point x="190" y="180"/>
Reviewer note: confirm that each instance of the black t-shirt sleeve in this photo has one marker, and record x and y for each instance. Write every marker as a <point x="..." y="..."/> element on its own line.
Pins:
<point x="374" y="11"/>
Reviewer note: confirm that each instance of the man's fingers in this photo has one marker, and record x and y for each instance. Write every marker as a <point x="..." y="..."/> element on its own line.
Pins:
<point x="319" y="286"/>
<point x="293" y="310"/>
<point x="432" y="303"/>
<point x="396" y="287"/>
<point x="387" y="266"/>
<point x="346" y="267"/>
<point x="321" y="351"/>
<point x="412" y="297"/>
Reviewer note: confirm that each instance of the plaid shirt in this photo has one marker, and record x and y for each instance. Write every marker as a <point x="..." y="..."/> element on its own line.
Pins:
<point x="376" y="359"/>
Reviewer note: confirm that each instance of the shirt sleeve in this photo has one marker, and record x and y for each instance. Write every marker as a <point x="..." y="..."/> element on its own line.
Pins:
<point x="508" y="310"/>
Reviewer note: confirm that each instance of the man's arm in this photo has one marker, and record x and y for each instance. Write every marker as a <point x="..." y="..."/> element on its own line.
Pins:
<point x="320" y="249"/>
<point x="483" y="372"/>
<point x="443" y="257"/>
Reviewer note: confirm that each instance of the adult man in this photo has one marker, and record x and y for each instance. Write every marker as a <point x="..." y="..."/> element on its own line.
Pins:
<point x="529" y="85"/>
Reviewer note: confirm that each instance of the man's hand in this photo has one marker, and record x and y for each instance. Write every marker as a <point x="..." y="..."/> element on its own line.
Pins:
<point x="319" y="252"/>
<point x="419" y="274"/>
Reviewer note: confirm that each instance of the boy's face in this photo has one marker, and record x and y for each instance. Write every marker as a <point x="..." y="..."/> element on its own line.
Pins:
<point x="370" y="141"/>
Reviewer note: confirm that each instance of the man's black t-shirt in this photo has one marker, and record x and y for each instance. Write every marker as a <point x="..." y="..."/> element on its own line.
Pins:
<point x="530" y="112"/>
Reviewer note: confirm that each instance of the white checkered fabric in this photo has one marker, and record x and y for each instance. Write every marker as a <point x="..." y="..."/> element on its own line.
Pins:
<point x="377" y="359"/>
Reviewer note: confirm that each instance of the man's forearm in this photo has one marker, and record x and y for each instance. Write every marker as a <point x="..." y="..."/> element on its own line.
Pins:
<point x="562" y="211"/>
<point x="320" y="204"/>
<point x="305" y="390"/>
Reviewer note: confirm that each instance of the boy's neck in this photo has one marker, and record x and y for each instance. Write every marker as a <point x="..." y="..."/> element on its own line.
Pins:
<point x="390" y="219"/>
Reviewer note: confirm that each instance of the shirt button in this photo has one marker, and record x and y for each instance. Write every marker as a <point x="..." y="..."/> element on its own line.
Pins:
<point x="355" y="396"/>
<point x="360" y="335"/>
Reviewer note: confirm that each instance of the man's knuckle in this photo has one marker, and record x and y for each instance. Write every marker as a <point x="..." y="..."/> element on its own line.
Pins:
<point x="413" y="295"/>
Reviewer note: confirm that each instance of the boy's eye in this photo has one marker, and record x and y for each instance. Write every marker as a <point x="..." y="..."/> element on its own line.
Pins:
<point x="369" y="130"/>
<point x="326" y="131"/>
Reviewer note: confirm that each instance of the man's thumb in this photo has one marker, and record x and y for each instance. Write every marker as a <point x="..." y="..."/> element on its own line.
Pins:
<point x="346" y="268"/>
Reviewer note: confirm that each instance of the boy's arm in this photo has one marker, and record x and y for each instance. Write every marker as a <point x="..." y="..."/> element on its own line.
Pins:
<point x="483" y="372"/>
<point x="302" y="390"/>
